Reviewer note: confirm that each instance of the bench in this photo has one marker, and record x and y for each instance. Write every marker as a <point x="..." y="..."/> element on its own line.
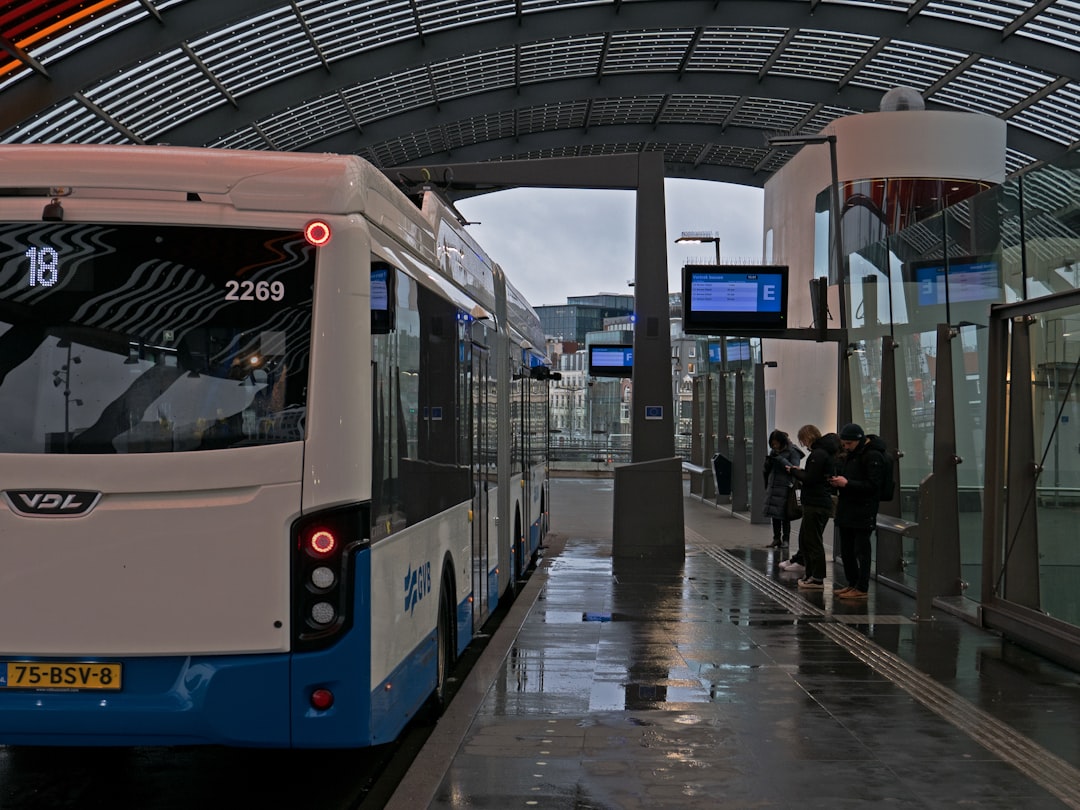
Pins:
<point x="904" y="528"/>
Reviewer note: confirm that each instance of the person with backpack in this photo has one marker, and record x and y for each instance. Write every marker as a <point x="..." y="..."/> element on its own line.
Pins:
<point x="816" y="502"/>
<point x="859" y="487"/>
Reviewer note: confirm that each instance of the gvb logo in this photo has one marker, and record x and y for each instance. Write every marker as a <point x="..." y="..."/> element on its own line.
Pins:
<point x="46" y="503"/>
<point x="417" y="585"/>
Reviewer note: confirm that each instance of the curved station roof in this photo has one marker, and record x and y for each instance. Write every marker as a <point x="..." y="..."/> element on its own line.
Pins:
<point x="413" y="82"/>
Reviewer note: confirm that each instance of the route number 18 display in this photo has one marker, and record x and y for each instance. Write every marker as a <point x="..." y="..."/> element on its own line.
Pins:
<point x="44" y="266"/>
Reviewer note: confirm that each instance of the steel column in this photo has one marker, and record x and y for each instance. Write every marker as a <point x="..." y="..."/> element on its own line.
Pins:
<point x="1020" y="562"/>
<point x="739" y="484"/>
<point x="942" y="571"/>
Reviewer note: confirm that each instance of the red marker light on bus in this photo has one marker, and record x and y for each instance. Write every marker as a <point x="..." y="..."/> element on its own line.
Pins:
<point x="322" y="542"/>
<point x="317" y="232"/>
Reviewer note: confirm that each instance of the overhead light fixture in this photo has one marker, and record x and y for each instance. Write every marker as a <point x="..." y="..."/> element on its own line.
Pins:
<point x="778" y="141"/>
<point x="700" y="238"/>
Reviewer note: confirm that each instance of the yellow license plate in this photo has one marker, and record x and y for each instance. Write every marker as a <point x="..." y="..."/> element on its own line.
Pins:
<point x="59" y="675"/>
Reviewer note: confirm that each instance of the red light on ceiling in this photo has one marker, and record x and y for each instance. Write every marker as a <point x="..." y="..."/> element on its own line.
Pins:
<point x="322" y="542"/>
<point x="317" y="232"/>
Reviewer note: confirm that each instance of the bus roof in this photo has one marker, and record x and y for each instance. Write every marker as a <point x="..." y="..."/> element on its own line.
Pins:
<point x="245" y="177"/>
<point x="247" y="180"/>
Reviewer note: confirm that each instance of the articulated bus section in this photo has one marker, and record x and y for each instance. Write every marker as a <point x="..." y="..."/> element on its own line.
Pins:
<point x="273" y="447"/>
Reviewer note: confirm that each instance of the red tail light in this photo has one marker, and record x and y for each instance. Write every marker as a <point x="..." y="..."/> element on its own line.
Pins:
<point x="325" y="545"/>
<point x="317" y="233"/>
<point x="322" y="542"/>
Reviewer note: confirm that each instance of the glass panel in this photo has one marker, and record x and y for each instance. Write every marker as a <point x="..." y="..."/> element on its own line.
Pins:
<point x="752" y="480"/>
<point x="1056" y="391"/>
<point x="910" y="284"/>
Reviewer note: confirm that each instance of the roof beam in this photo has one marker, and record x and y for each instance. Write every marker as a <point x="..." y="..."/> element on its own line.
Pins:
<point x="269" y="141"/>
<point x="811" y="114"/>
<point x="348" y="108"/>
<point x="1033" y="12"/>
<point x="416" y="21"/>
<point x="517" y="68"/>
<point x="1035" y="98"/>
<point x="963" y="65"/>
<point x="689" y="53"/>
<point x="151" y="9"/>
<point x="108" y="119"/>
<point x="734" y="111"/>
<point x="915" y="9"/>
<point x="660" y="110"/>
<point x="603" y="57"/>
<point x="210" y="77"/>
<point x="433" y="87"/>
<point x="314" y="43"/>
<point x="22" y="56"/>
<point x="863" y="61"/>
<point x="777" y="52"/>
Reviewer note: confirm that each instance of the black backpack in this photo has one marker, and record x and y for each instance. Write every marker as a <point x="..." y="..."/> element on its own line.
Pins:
<point x="888" y="482"/>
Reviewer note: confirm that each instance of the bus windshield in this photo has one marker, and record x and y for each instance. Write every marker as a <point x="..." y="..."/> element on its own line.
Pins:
<point x="152" y="338"/>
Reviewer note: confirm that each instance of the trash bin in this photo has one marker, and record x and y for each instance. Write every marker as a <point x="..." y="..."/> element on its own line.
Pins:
<point x="721" y="466"/>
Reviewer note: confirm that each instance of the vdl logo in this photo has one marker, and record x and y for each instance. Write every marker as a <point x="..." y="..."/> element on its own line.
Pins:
<point x="417" y="585"/>
<point x="46" y="503"/>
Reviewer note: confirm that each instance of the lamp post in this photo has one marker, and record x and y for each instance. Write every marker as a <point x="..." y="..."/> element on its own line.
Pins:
<point x="700" y="238"/>
<point x="837" y="253"/>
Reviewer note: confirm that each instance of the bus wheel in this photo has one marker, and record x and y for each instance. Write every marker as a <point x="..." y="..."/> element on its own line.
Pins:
<point x="520" y="563"/>
<point x="445" y="643"/>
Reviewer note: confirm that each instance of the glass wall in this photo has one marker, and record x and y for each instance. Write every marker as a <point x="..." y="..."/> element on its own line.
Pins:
<point x="729" y="376"/>
<point x="927" y="291"/>
<point x="1055" y="358"/>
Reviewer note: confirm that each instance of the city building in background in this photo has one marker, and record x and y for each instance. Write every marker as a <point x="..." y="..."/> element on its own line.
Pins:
<point x="582" y="314"/>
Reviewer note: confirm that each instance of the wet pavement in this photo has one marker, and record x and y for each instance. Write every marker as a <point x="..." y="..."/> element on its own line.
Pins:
<point x="716" y="683"/>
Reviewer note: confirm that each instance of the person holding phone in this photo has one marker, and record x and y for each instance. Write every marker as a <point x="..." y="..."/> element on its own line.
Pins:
<point x="859" y="486"/>
<point x="817" y="503"/>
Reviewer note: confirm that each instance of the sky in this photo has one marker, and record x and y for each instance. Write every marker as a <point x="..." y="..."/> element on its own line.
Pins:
<point x="557" y="243"/>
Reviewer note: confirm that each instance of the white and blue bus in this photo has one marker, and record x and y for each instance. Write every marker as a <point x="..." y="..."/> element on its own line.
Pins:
<point x="272" y="448"/>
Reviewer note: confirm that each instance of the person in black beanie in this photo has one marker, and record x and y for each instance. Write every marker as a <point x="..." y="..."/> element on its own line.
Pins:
<point x="858" y="486"/>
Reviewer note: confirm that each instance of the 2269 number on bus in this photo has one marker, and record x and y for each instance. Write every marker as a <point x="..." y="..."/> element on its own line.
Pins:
<point x="59" y="675"/>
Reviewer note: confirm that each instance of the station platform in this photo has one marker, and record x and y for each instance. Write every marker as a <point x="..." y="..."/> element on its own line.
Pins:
<point x="717" y="683"/>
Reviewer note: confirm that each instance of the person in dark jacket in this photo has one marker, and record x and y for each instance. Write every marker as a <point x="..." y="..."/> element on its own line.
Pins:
<point x="859" y="488"/>
<point x="782" y="454"/>
<point x="816" y="501"/>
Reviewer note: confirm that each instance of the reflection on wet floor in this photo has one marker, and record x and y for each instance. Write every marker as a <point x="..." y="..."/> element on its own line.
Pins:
<point x="717" y="683"/>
